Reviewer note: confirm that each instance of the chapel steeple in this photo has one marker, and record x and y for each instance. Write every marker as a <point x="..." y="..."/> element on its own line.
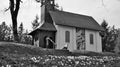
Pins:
<point x="48" y="3"/>
<point x="46" y="6"/>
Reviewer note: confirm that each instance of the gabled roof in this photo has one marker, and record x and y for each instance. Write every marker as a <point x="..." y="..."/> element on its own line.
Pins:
<point x="74" y="20"/>
<point x="45" y="26"/>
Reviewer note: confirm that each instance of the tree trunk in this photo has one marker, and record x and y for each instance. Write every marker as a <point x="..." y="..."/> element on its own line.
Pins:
<point x="14" y="8"/>
<point x="14" y="24"/>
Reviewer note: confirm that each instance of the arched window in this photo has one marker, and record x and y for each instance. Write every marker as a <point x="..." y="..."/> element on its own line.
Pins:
<point x="91" y="39"/>
<point x="67" y="36"/>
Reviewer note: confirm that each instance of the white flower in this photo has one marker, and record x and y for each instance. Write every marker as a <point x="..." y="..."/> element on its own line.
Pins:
<point x="76" y="62"/>
<point x="34" y="59"/>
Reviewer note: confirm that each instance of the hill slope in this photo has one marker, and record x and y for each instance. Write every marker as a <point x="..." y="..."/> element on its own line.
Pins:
<point x="21" y="55"/>
<point x="16" y="48"/>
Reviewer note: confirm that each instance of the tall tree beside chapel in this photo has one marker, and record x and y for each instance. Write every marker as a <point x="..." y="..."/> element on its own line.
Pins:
<point x="109" y="37"/>
<point x="14" y="9"/>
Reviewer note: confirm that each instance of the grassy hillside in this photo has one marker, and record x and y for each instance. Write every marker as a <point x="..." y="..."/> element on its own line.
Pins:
<point x="16" y="48"/>
<point x="21" y="55"/>
<point x="15" y="53"/>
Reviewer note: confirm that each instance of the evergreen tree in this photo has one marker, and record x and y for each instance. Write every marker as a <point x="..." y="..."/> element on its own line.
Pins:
<point x="109" y="37"/>
<point x="104" y="35"/>
<point x="4" y="32"/>
<point x="23" y="35"/>
<point x="20" y="32"/>
<point x="35" y="23"/>
<point x="27" y="38"/>
<point x="117" y="47"/>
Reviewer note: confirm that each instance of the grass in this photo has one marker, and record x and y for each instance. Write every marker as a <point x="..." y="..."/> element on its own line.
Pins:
<point x="23" y="55"/>
<point x="16" y="48"/>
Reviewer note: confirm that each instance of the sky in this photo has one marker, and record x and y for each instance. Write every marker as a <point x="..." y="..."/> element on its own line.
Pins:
<point x="98" y="9"/>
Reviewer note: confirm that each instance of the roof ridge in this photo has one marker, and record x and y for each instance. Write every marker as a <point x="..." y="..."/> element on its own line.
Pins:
<point x="73" y="13"/>
<point x="73" y="19"/>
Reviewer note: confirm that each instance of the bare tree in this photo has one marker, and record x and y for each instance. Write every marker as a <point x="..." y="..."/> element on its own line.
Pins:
<point x="14" y="8"/>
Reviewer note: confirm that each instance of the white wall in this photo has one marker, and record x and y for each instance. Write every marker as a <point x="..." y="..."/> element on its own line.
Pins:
<point x="60" y="37"/>
<point x="99" y="42"/>
<point x="97" y="46"/>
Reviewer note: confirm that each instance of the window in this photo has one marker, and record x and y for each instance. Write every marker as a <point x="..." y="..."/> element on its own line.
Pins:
<point x="67" y="36"/>
<point x="91" y="39"/>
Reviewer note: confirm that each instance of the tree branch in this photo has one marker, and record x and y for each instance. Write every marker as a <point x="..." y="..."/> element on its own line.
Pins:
<point x="17" y="7"/>
<point x="6" y="9"/>
<point x="11" y="6"/>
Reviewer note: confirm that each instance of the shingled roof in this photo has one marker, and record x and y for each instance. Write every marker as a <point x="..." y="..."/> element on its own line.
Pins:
<point x="69" y="19"/>
<point x="74" y="20"/>
<point x="45" y="26"/>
